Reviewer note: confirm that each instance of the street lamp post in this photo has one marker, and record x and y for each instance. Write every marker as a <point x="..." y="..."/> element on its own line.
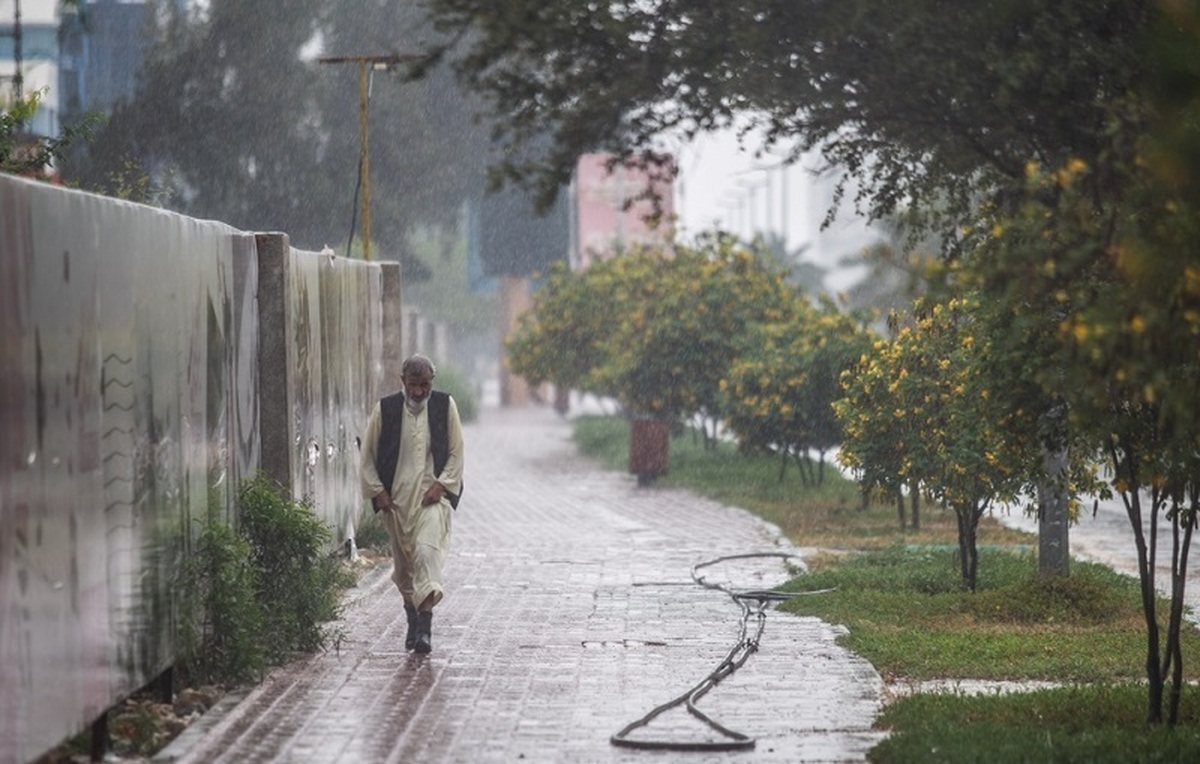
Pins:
<point x="367" y="65"/>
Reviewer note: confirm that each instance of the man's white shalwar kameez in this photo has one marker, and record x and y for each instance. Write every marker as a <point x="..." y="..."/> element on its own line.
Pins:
<point x="420" y="536"/>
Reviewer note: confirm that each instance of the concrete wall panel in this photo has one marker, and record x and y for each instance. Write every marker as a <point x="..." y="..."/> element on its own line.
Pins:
<point x="130" y="409"/>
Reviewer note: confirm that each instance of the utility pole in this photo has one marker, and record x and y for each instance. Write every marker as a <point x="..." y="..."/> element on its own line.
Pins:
<point x="367" y="66"/>
<point x="17" y="35"/>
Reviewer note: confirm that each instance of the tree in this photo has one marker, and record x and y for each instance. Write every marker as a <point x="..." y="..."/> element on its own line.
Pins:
<point x="565" y="335"/>
<point x="911" y="101"/>
<point x="928" y="115"/>
<point x="24" y="154"/>
<point x="1114" y="300"/>
<point x="919" y="410"/>
<point x="217" y="104"/>
<point x="256" y="133"/>
<point x="946" y="118"/>
<point x="655" y="329"/>
<point x="1092" y="266"/>
<point x="781" y="387"/>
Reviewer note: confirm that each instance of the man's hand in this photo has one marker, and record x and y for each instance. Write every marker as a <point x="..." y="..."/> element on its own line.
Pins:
<point x="382" y="502"/>
<point x="433" y="494"/>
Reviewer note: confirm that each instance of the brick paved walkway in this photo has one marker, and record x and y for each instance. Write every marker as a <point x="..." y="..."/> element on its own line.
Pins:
<point x="570" y="613"/>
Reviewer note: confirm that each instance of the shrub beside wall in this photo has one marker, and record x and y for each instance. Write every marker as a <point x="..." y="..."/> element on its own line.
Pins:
<point x="257" y="595"/>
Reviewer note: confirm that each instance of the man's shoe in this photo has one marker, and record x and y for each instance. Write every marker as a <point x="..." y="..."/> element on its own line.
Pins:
<point x="410" y="637"/>
<point x="424" y="631"/>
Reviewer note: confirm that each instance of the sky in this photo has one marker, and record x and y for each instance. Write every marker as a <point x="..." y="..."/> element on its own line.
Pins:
<point x="722" y="184"/>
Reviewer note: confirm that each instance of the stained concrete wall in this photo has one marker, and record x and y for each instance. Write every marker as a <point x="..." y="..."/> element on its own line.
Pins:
<point x="148" y="363"/>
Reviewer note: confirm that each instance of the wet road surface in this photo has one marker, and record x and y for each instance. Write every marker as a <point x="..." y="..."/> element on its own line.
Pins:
<point x="570" y="613"/>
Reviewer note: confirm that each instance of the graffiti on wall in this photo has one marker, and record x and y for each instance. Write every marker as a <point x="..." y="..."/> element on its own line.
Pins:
<point x="130" y="412"/>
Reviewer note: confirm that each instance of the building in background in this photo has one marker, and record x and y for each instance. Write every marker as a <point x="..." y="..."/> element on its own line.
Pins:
<point x="29" y="58"/>
<point x="102" y="48"/>
<point x="510" y="243"/>
<point x="80" y="59"/>
<point x="613" y="212"/>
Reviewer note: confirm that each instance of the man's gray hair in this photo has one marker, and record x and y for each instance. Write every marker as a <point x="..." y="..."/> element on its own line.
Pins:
<point x="418" y="364"/>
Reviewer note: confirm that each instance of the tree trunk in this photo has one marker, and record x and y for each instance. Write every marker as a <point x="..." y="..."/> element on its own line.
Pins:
<point x="968" y="523"/>
<point x="1054" y="552"/>
<point x="802" y="468"/>
<point x="649" y="449"/>
<point x="900" y="507"/>
<point x="1124" y="464"/>
<point x="1184" y="522"/>
<point x="915" y="490"/>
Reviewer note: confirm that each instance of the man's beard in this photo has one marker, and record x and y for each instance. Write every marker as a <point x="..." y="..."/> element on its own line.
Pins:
<point x="415" y="406"/>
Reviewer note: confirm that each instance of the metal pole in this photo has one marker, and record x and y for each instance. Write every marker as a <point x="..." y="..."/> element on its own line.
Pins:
<point x="18" y="52"/>
<point x="364" y="98"/>
<point x="366" y="66"/>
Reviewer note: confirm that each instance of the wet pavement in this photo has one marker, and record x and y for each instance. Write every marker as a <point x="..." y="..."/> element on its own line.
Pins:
<point x="571" y="612"/>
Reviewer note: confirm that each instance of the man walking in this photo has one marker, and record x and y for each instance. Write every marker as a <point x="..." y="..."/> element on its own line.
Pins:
<point x="412" y="463"/>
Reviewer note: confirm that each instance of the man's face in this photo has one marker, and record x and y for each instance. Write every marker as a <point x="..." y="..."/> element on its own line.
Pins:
<point x="417" y="387"/>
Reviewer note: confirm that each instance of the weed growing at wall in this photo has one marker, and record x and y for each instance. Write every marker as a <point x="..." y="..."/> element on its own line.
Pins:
<point x="222" y="620"/>
<point x="298" y="582"/>
<point x="255" y="597"/>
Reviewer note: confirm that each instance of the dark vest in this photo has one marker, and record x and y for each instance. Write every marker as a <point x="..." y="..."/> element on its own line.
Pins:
<point x="387" y="453"/>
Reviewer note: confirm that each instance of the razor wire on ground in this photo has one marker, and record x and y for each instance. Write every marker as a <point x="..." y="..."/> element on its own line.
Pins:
<point x="753" y="604"/>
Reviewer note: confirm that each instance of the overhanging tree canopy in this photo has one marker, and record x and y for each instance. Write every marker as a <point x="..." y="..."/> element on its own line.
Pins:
<point x="919" y="100"/>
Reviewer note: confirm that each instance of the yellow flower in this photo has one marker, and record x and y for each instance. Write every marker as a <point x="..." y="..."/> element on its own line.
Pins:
<point x="1149" y="393"/>
<point x="1191" y="279"/>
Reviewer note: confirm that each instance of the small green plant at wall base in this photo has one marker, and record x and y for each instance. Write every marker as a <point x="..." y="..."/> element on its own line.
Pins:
<point x="221" y="619"/>
<point x="254" y="597"/>
<point x="299" y="581"/>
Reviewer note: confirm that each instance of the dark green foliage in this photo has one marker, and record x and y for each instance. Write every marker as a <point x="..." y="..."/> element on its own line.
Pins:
<point x="922" y="106"/>
<point x="919" y="570"/>
<point x="254" y="597"/>
<point x="221" y="617"/>
<point x="22" y="153"/>
<point x="253" y="131"/>
<point x="297" y="578"/>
